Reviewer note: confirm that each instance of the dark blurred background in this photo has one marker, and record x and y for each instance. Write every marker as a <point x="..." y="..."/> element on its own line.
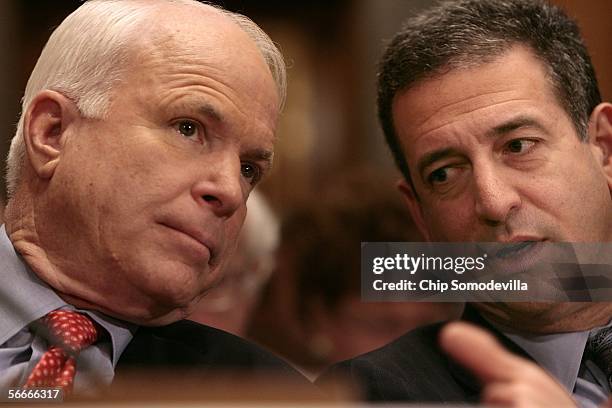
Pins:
<point x="332" y="46"/>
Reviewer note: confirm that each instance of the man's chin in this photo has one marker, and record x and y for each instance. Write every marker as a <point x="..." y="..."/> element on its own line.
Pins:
<point x="161" y="320"/>
<point x="141" y="315"/>
<point x="150" y="317"/>
<point x="500" y="312"/>
<point x="546" y="317"/>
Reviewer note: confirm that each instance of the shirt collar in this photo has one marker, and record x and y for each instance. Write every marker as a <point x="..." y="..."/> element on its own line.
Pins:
<point x="121" y="332"/>
<point x="27" y="299"/>
<point x="560" y="353"/>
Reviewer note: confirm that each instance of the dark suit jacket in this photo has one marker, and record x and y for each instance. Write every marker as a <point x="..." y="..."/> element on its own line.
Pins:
<point x="413" y="368"/>
<point x="186" y="345"/>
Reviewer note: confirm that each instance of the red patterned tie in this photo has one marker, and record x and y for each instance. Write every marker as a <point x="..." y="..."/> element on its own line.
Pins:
<point x="57" y="366"/>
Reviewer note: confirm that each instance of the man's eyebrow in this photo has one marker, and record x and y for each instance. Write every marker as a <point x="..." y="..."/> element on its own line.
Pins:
<point x="260" y="155"/>
<point x="515" y="124"/>
<point x="211" y="112"/>
<point x="434" y="156"/>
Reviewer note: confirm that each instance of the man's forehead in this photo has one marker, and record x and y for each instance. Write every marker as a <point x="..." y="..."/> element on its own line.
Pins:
<point x="218" y="49"/>
<point x="190" y="25"/>
<point x="473" y="95"/>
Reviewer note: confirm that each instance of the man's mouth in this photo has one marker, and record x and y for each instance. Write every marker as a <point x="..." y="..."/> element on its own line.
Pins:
<point x="196" y="237"/>
<point x="520" y="255"/>
<point x="515" y="249"/>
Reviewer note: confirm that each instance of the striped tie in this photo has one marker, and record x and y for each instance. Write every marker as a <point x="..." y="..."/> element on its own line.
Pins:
<point x="599" y="350"/>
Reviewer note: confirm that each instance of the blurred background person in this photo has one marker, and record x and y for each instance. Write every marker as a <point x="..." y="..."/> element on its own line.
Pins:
<point x="311" y="312"/>
<point x="229" y="305"/>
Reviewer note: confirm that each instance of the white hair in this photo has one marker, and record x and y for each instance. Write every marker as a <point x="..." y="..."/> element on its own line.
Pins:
<point x="86" y="56"/>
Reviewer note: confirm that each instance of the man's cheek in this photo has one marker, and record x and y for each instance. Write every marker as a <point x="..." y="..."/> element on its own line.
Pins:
<point x="449" y="227"/>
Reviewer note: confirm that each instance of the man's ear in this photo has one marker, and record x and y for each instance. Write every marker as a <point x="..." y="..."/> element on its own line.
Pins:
<point x="414" y="206"/>
<point x="600" y="137"/>
<point x="45" y="122"/>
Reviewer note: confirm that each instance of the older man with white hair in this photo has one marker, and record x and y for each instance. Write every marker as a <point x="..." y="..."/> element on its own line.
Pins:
<point x="145" y="126"/>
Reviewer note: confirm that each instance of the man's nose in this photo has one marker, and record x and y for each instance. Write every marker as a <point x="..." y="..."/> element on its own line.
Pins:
<point x="220" y="186"/>
<point x="496" y="197"/>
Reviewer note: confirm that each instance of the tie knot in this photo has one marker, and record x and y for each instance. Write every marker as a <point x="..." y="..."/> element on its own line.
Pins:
<point x="76" y="331"/>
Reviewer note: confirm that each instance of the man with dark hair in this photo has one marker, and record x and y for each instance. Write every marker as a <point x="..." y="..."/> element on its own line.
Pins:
<point x="493" y="114"/>
<point x="481" y="32"/>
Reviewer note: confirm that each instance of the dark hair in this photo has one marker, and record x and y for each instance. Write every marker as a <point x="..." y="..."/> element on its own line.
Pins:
<point x="469" y="32"/>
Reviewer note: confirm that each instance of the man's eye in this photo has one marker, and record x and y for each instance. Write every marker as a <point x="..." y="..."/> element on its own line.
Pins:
<point x="444" y="178"/>
<point x="438" y="176"/>
<point x="519" y="145"/>
<point x="251" y="172"/>
<point x="187" y="128"/>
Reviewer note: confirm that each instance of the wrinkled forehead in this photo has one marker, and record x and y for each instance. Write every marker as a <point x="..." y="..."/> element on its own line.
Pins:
<point x="518" y="72"/>
<point x="171" y="29"/>
<point x="475" y="65"/>
<point x="200" y="37"/>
